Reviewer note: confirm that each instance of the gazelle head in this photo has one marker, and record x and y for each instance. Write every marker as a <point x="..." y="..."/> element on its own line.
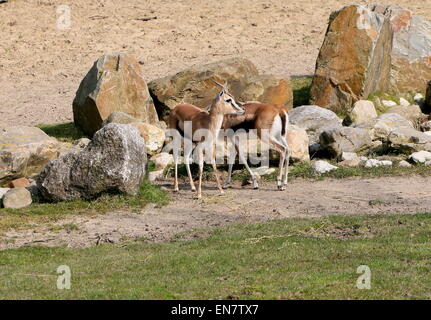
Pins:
<point x="225" y="103"/>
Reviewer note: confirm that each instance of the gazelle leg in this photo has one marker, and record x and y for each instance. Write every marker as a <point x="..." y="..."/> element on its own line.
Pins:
<point x="189" y="173"/>
<point x="243" y="160"/>
<point x="201" y="169"/>
<point x="229" y="177"/>
<point x="282" y="150"/>
<point x="176" y="189"/>
<point x="253" y="177"/>
<point x="286" y="173"/>
<point x="217" y="176"/>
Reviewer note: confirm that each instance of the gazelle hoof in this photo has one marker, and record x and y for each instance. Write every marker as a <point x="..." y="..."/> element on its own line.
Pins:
<point x="281" y="188"/>
<point x="226" y="186"/>
<point x="176" y="190"/>
<point x="193" y="189"/>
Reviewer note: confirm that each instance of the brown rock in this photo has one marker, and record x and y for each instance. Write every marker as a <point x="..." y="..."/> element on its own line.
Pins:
<point x="194" y="85"/>
<point x="411" y="53"/>
<point x="24" y="152"/>
<point x="154" y="137"/>
<point x="19" y="183"/>
<point x="114" y="83"/>
<point x="354" y="59"/>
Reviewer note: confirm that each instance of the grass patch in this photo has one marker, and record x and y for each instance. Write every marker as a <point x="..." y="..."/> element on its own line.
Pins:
<point x="305" y="171"/>
<point x="284" y="259"/>
<point x="301" y="90"/>
<point x="43" y="213"/>
<point x="66" y="132"/>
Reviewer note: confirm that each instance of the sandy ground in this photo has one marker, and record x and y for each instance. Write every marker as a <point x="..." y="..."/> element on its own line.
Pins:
<point x="302" y="199"/>
<point x="41" y="65"/>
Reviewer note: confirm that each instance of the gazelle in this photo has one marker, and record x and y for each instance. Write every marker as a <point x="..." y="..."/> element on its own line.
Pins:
<point x="271" y="123"/>
<point x="211" y="120"/>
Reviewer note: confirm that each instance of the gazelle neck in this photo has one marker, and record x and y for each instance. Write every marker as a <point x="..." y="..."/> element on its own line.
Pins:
<point x="216" y="120"/>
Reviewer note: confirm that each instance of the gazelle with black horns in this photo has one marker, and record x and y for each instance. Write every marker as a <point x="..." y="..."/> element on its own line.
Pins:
<point x="210" y="120"/>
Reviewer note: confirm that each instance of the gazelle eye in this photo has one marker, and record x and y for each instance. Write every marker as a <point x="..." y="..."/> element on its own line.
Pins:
<point x="228" y="100"/>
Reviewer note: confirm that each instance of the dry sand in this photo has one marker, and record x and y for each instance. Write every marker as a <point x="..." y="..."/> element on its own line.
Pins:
<point x="41" y="66"/>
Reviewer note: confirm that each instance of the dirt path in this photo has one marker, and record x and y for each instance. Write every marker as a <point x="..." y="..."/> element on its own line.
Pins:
<point x="389" y="195"/>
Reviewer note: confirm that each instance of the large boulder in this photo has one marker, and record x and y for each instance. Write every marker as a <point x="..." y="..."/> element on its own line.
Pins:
<point x="114" y="161"/>
<point x="411" y="51"/>
<point x="194" y="85"/>
<point x="297" y="140"/>
<point x="381" y="128"/>
<point x="344" y="139"/>
<point x="369" y="48"/>
<point x="314" y="120"/>
<point x="114" y="83"/>
<point x="24" y="152"/>
<point x="354" y="59"/>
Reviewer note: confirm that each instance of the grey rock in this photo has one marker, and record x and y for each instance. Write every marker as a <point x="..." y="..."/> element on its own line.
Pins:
<point x="372" y="163"/>
<point x="17" y="198"/>
<point x="314" y="120"/>
<point x="344" y="139"/>
<point x="114" y="161"/>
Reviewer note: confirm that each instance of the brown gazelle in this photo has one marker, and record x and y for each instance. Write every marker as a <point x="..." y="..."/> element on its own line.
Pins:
<point x="210" y="120"/>
<point x="271" y="123"/>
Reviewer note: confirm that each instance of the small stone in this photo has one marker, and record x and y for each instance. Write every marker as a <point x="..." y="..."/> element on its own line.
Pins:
<point x="404" y="164"/>
<point x="349" y="156"/>
<point x="389" y="103"/>
<point x="428" y="163"/>
<point x="350" y="163"/>
<point x="420" y="157"/>
<point x="162" y="160"/>
<point x="418" y="98"/>
<point x="264" y="170"/>
<point x="19" y="183"/>
<point x="17" y="198"/>
<point x="81" y="143"/>
<point x="428" y="133"/>
<point x="373" y="163"/>
<point x="404" y="102"/>
<point x="155" y="175"/>
<point x="321" y="166"/>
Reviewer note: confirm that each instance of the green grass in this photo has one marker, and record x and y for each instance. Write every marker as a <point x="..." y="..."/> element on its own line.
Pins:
<point x="305" y="171"/>
<point x="301" y="90"/>
<point x="44" y="213"/>
<point x="66" y="132"/>
<point x="284" y="259"/>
